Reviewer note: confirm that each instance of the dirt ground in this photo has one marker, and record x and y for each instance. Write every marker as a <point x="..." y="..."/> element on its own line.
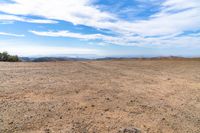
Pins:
<point x="154" y="96"/>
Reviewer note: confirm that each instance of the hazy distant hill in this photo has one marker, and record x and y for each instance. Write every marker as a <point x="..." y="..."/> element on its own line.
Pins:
<point x="49" y="59"/>
<point x="53" y="59"/>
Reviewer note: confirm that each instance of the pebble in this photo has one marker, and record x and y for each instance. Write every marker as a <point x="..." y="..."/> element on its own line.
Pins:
<point x="129" y="130"/>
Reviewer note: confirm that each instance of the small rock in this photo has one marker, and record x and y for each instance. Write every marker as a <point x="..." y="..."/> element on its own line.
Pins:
<point x="10" y="122"/>
<point x="92" y="105"/>
<point x="108" y="99"/>
<point x="163" y="119"/>
<point x="108" y="117"/>
<point x="106" y="110"/>
<point x="129" y="130"/>
<point x="47" y="131"/>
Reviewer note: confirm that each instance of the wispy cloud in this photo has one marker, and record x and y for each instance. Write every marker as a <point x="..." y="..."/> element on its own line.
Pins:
<point x="178" y="39"/>
<point x="11" y="34"/>
<point x="76" y="11"/>
<point x="11" y="18"/>
<point x="69" y="34"/>
<point x="165" y="27"/>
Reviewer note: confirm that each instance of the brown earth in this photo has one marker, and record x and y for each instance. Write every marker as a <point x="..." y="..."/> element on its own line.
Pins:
<point x="155" y="96"/>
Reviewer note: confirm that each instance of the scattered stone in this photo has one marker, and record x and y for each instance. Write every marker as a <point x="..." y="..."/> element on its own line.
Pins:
<point x="108" y="99"/>
<point x="47" y="131"/>
<point x="129" y="130"/>
<point x="163" y="119"/>
<point x="106" y="110"/>
<point x="108" y="117"/>
<point x="10" y="123"/>
<point x="92" y="105"/>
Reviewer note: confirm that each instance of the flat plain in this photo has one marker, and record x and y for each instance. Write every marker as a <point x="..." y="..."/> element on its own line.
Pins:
<point x="154" y="96"/>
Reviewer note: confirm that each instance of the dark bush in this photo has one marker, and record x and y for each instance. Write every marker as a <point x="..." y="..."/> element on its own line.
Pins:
<point x="9" y="58"/>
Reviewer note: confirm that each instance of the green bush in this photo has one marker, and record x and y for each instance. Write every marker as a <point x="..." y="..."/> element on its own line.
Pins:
<point x="6" y="57"/>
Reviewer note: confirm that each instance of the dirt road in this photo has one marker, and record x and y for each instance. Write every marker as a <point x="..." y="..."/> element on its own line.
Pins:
<point x="153" y="96"/>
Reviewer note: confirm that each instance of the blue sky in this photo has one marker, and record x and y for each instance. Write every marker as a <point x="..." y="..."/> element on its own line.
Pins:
<point x="100" y="27"/>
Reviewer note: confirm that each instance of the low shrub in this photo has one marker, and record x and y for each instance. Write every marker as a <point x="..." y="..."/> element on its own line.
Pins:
<point x="8" y="58"/>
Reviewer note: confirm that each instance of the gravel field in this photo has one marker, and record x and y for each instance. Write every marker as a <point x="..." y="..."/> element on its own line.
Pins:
<point x="152" y="96"/>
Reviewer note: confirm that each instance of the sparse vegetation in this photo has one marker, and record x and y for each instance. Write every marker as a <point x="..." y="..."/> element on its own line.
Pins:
<point x="9" y="58"/>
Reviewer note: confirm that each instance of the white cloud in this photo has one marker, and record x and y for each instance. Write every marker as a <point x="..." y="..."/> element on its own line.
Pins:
<point x="175" y="17"/>
<point x="69" y="34"/>
<point x="11" y="18"/>
<point x="173" y="5"/>
<point x="6" y="22"/>
<point x="75" y="11"/>
<point x="11" y="34"/>
<point x="168" y="40"/>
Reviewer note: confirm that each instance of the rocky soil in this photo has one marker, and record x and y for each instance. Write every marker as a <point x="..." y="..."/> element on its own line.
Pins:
<point x="148" y="96"/>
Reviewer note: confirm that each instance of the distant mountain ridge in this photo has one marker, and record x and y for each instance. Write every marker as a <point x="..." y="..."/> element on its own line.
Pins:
<point x="49" y="59"/>
<point x="53" y="59"/>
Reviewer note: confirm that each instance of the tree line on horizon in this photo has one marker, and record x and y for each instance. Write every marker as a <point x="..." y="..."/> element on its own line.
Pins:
<point x="4" y="56"/>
